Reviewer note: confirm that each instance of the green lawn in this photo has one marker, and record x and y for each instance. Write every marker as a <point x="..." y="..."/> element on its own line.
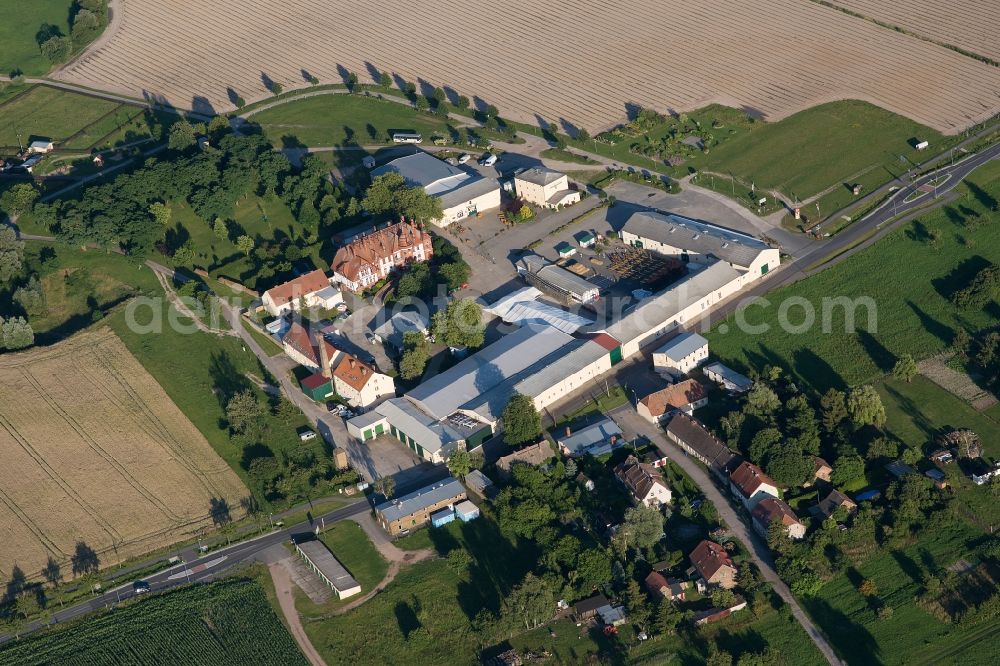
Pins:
<point x="58" y="115"/>
<point x="336" y="120"/>
<point x="566" y="156"/>
<point x="355" y="551"/>
<point x="907" y="276"/>
<point x="21" y="20"/>
<point x="823" y="146"/>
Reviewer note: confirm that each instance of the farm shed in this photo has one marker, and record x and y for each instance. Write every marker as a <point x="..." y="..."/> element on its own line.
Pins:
<point x="328" y="568"/>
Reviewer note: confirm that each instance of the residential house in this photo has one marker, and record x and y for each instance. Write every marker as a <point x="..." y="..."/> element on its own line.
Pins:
<point x="685" y="396"/>
<point x="643" y="482"/>
<point x="371" y="257"/>
<point x="587" y="608"/>
<point x="596" y="439"/>
<point x="681" y="354"/>
<point x="360" y="384"/>
<point x="769" y="510"/>
<point x="312" y="290"/>
<point x="534" y="454"/>
<point x="694" y="438"/>
<point x="40" y="146"/>
<point x="823" y="470"/>
<point x="545" y="188"/>
<point x="834" y="500"/>
<point x="312" y="351"/>
<point x="728" y="378"/>
<point x="751" y="485"/>
<point x="401" y="514"/>
<point x="713" y="564"/>
<point x="666" y="588"/>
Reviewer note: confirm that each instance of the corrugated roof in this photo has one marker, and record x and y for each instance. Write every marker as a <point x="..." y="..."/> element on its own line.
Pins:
<point x="328" y="565"/>
<point x="558" y="277"/>
<point x="650" y="312"/>
<point x="682" y="346"/>
<point x="408" y="504"/>
<point x="502" y="306"/>
<point x="432" y="434"/>
<point x="443" y="394"/>
<point x="451" y="184"/>
<point x="535" y="312"/>
<point x="696" y="236"/>
<point x="729" y="375"/>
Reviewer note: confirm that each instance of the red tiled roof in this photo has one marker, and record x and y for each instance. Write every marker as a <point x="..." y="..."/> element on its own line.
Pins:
<point x="708" y="557"/>
<point x="748" y="478"/>
<point x="369" y="249"/>
<point x="674" y="397"/>
<point x="656" y="582"/>
<point x="313" y="382"/>
<point x="298" y="338"/>
<point x="353" y="372"/>
<point x="769" y="510"/>
<point x="299" y="287"/>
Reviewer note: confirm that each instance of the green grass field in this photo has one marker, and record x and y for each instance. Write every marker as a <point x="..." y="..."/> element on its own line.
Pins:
<point x="910" y="279"/>
<point x="822" y="147"/>
<point x="337" y="120"/>
<point x="49" y="113"/>
<point x="21" y="20"/>
<point x="355" y="551"/>
<point x="225" y="623"/>
<point x="911" y="635"/>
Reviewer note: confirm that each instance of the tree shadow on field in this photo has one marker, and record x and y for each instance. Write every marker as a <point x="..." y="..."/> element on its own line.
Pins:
<point x="959" y="277"/>
<point x="84" y="559"/>
<point x="15" y="585"/>
<point x="940" y="331"/>
<point x="851" y="638"/>
<point x="985" y="199"/>
<point x="373" y="72"/>
<point x="202" y="107"/>
<point x="821" y="375"/>
<point x="218" y="511"/>
<point x="234" y="97"/>
<point x="268" y="82"/>
<point x="883" y="359"/>
<point x="227" y="380"/>
<point x="406" y="616"/>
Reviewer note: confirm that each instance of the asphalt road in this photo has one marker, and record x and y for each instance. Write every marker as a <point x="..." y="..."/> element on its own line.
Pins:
<point x="208" y="567"/>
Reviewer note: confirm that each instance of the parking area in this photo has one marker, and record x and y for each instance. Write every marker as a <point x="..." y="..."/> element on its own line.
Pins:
<point x="386" y="456"/>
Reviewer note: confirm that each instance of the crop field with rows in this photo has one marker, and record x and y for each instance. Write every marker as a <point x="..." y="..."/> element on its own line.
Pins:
<point x="228" y="623"/>
<point x="95" y="451"/>
<point x="575" y="64"/>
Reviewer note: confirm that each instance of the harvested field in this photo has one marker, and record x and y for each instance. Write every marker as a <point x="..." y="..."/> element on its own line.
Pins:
<point x="971" y="25"/>
<point x="579" y="63"/>
<point x="95" y="451"/>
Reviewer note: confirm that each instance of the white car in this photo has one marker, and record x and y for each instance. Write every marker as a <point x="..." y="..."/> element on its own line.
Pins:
<point x="489" y="160"/>
<point x="307" y="435"/>
<point x="463" y="158"/>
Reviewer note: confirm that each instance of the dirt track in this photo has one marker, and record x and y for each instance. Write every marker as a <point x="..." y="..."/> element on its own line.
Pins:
<point x="581" y="62"/>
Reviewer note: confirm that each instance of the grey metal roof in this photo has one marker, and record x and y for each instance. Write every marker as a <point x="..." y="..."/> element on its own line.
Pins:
<point x="539" y="176"/>
<point x="393" y="330"/>
<point x="729" y="375"/>
<point x="366" y="420"/>
<point x="652" y="311"/>
<point x="558" y="277"/>
<point x="534" y="312"/>
<point x="406" y="505"/>
<point x="451" y="184"/>
<point x="696" y="236"/>
<point x="467" y="191"/>
<point x="443" y="394"/>
<point x="682" y="346"/>
<point x="328" y="565"/>
<point x="502" y="305"/>
<point x="432" y="434"/>
<point x="477" y="481"/>
<point x="597" y="434"/>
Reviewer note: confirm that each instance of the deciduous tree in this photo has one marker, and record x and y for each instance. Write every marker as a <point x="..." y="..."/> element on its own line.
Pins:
<point x="864" y="407"/>
<point x="905" y="368"/>
<point x="521" y="421"/>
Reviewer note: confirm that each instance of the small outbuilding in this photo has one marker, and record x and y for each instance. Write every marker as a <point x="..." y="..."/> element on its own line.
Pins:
<point x="442" y="517"/>
<point x="466" y="511"/>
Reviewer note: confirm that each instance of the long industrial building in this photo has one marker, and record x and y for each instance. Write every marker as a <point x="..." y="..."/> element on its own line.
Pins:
<point x="461" y="407"/>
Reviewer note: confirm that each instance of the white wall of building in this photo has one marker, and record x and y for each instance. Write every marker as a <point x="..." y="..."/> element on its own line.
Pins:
<point x="377" y="387"/>
<point x="487" y="201"/>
